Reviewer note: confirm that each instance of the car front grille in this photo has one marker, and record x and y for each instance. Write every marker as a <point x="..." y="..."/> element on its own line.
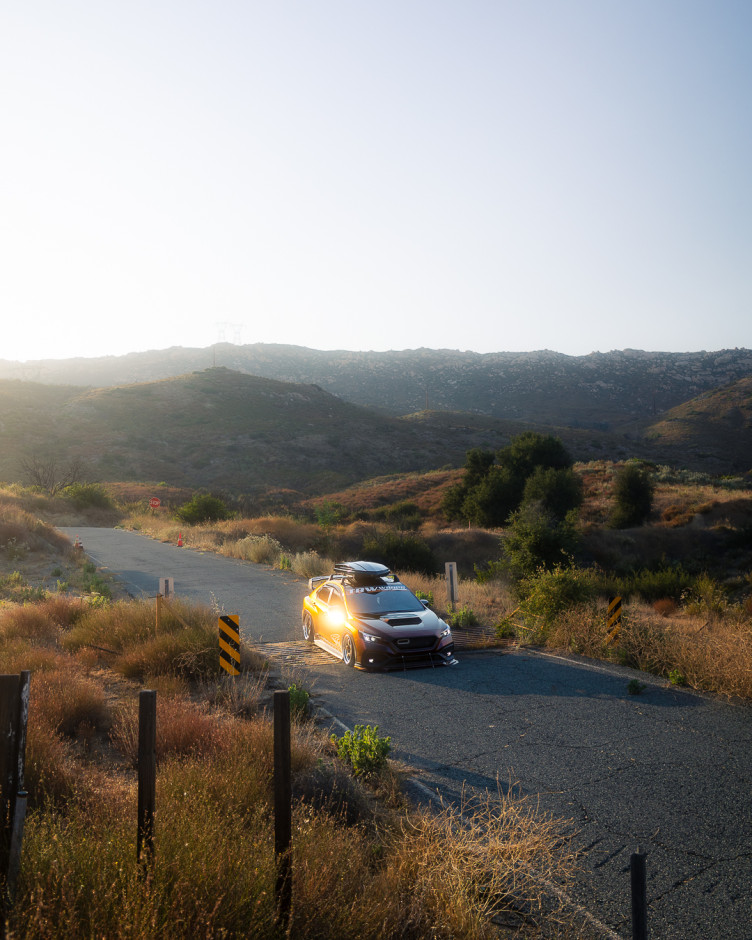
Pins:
<point x="415" y="642"/>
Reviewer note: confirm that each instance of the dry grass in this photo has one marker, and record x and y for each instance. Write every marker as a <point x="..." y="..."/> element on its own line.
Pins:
<point x="183" y="728"/>
<point x="215" y="871"/>
<point x="710" y="653"/>
<point x="423" y="875"/>
<point x="490" y="602"/>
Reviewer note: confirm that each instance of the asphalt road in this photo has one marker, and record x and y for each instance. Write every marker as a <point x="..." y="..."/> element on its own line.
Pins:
<point x="668" y="770"/>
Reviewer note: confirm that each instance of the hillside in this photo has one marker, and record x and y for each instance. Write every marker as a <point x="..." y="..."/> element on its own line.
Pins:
<point x="713" y="430"/>
<point x="601" y="391"/>
<point x="222" y="429"/>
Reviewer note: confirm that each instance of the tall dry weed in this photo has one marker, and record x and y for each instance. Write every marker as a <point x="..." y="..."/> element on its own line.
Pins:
<point x="183" y="728"/>
<point x="65" y="701"/>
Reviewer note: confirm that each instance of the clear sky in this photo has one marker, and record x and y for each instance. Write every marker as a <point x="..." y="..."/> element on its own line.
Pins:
<point x="493" y="175"/>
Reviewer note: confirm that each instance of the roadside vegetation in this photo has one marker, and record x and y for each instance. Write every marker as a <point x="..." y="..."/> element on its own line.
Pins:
<point x="676" y="546"/>
<point x="456" y="873"/>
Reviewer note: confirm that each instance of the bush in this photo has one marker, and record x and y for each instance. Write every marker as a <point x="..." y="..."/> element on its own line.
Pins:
<point x="299" y="699"/>
<point x="633" y="497"/>
<point x="87" y="496"/>
<point x="203" y="508"/>
<point x="557" y="491"/>
<point x="654" y="584"/>
<point x="462" y="618"/>
<point x="705" y="598"/>
<point x="261" y="549"/>
<point x="309" y="564"/>
<point x="549" y="592"/>
<point x="363" y="749"/>
<point x="401" y="552"/>
<point x="537" y="539"/>
<point x="402" y="515"/>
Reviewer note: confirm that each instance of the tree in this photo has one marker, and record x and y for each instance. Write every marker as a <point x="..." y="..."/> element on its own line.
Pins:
<point x="530" y="450"/>
<point x="493" y="485"/>
<point x="633" y="496"/>
<point x="490" y="502"/>
<point x="51" y="474"/>
<point x="558" y="491"/>
<point x="478" y="462"/>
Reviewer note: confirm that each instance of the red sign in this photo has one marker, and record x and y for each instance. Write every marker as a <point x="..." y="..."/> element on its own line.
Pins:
<point x="154" y="502"/>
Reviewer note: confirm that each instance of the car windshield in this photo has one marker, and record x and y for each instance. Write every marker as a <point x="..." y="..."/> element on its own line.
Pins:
<point x="377" y="601"/>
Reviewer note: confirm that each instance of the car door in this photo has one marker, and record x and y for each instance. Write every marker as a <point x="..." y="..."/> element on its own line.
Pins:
<point x="322" y="607"/>
<point x="335" y="617"/>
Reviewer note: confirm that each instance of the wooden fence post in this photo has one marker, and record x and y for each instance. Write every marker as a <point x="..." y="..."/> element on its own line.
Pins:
<point x="638" y="883"/>
<point x="14" y="712"/>
<point x="147" y="775"/>
<point x="283" y="805"/>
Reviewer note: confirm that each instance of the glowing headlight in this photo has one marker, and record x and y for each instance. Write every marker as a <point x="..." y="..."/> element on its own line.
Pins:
<point x="444" y="633"/>
<point x="370" y="638"/>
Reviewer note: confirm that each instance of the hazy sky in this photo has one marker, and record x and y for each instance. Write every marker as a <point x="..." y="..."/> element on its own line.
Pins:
<point x="492" y="175"/>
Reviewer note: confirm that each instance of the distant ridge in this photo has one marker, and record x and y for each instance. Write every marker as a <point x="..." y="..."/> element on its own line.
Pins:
<point x="602" y="391"/>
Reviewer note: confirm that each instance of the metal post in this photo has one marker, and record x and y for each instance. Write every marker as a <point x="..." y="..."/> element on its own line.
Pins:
<point x="451" y="579"/>
<point x="638" y="880"/>
<point x="283" y="805"/>
<point x="147" y="774"/>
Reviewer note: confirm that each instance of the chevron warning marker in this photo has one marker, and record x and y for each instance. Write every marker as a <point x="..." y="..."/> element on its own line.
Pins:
<point x="229" y="644"/>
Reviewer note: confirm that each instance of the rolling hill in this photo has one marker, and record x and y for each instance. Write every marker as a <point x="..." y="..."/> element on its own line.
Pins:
<point x="713" y="430"/>
<point x="600" y="391"/>
<point x="223" y="430"/>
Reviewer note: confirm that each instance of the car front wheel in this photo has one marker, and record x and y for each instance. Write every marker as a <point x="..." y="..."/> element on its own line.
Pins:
<point x="307" y="627"/>
<point x="348" y="650"/>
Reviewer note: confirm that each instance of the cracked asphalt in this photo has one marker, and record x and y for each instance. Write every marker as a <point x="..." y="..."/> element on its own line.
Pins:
<point x="668" y="770"/>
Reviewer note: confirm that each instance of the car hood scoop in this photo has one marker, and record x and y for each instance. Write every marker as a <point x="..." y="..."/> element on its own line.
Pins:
<point x="403" y="621"/>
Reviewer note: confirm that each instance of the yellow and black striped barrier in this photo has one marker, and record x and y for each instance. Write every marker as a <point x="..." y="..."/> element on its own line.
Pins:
<point x="613" y="620"/>
<point x="229" y="644"/>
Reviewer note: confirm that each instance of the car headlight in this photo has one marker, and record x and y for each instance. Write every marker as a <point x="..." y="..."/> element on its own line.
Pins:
<point x="369" y="637"/>
<point x="444" y="633"/>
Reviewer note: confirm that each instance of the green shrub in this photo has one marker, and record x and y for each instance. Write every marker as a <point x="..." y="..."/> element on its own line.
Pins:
<point x="363" y="749"/>
<point x="91" y="582"/>
<point x="402" y="515"/>
<point x="537" y="539"/>
<point x="425" y="596"/>
<point x="462" y="618"/>
<point x="299" y="699"/>
<point x="331" y="513"/>
<point x="549" y="592"/>
<point x="401" y="552"/>
<point x="203" y="507"/>
<point x="87" y="496"/>
<point x="653" y="584"/>
<point x="633" y="496"/>
<point x="557" y="491"/>
<point x="705" y="596"/>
